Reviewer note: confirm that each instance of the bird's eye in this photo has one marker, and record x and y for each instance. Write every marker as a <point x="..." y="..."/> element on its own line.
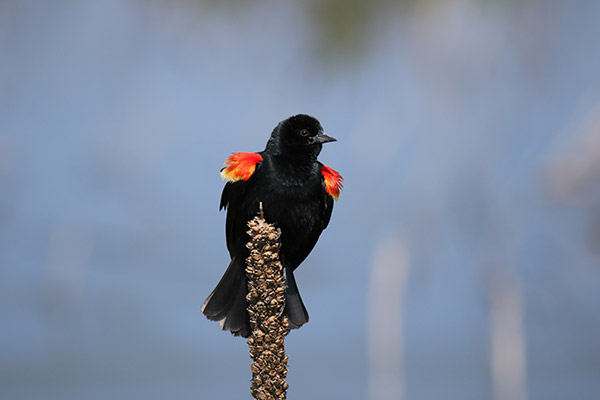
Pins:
<point x="304" y="132"/>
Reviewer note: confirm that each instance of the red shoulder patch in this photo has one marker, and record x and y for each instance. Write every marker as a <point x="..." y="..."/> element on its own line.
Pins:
<point x="333" y="181"/>
<point x="240" y="166"/>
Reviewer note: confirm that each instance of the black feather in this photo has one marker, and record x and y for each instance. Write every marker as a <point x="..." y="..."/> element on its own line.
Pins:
<point x="289" y="183"/>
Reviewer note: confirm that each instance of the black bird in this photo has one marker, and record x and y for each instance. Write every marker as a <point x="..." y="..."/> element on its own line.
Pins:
<point x="297" y="194"/>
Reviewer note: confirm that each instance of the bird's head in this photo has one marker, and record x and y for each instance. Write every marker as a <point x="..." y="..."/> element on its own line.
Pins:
<point x="300" y="136"/>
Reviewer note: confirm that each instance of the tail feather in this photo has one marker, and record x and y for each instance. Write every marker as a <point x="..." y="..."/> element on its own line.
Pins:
<point x="227" y="303"/>
<point x="294" y="307"/>
<point x="237" y="320"/>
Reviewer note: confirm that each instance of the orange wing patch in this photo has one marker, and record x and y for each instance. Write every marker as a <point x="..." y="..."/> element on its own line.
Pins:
<point x="240" y="166"/>
<point x="333" y="181"/>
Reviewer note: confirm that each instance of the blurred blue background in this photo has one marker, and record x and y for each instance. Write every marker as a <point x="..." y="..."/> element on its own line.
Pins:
<point x="462" y="260"/>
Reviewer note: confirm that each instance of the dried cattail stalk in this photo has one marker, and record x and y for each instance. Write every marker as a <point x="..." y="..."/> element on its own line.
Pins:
<point x="266" y="299"/>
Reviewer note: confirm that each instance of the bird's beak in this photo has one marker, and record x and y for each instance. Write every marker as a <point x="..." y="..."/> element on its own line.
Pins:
<point x="323" y="138"/>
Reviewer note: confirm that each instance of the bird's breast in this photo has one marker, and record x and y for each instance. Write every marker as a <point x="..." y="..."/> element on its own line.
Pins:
<point x="293" y="199"/>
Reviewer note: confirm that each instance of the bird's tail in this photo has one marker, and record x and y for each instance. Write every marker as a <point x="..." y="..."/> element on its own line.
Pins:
<point x="294" y="307"/>
<point x="227" y="303"/>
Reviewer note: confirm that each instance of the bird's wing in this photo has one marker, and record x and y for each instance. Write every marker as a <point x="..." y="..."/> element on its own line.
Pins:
<point x="238" y="171"/>
<point x="240" y="166"/>
<point x="332" y="185"/>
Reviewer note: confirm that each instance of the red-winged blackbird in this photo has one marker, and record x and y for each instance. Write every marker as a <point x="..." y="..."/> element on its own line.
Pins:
<point x="297" y="194"/>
